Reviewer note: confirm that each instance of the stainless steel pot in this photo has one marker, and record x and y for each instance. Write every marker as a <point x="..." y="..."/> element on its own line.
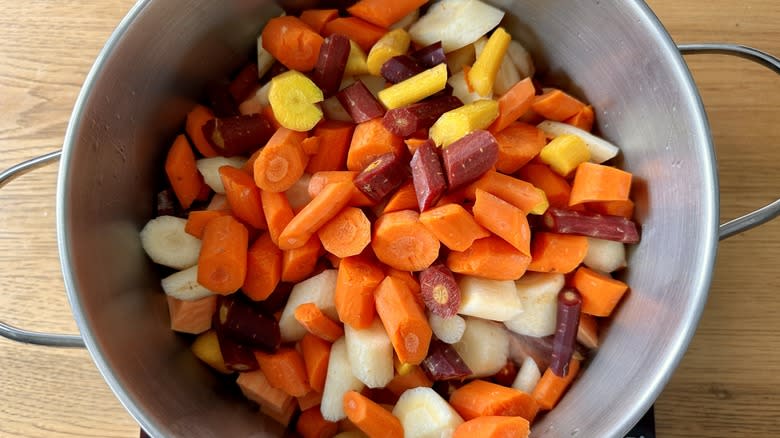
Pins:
<point x="614" y="53"/>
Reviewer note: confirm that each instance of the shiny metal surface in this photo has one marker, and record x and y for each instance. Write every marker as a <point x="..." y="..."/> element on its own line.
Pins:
<point x="769" y="211"/>
<point x="613" y="53"/>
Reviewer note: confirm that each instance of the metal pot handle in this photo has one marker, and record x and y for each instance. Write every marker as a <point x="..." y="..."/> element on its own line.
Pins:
<point x="13" y="333"/>
<point x="772" y="210"/>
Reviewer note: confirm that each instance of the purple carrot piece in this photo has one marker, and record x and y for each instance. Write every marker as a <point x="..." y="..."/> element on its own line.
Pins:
<point x="400" y="68"/>
<point x="469" y="158"/>
<point x="382" y="176"/>
<point x="444" y="363"/>
<point x="359" y="103"/>
<point x="332" y="60"/>
<point x="430" y="56"/>
<point x="568" y="320"/>
<point x="427" y="175"/>
<point x="409" y="119"/>
<point x="585" y="223"/>
<point x="439" y="291"/>
<point x="238" y="135"/>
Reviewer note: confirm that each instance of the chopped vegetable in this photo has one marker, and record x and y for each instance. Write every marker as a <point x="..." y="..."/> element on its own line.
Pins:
<point x="370" y="417"/>
<point x="444" y="363"/>
<point x="430" y="55"/>
<point x="196" y="119"/>
<point x="424" y="413"/>
<point x="244" y="322"/>
<point x="504" y="220"/>
<point x="319" y="290"/>
<point x="597" y="182"/>
<point x="600" y="149"/>
<point x="394" y="43"/>
<point x="281" y="162"/>
<point x="358" y="276"/>
<point x="243" y="197"/>
<point x="567" y="321"/>
<point x="401" y="241"/>
<point x="222" y="259"/>
<point x="552" y="252"/>
<point x="415" y="88"/>
<point x="407" y="120"/>
<point x="455" y="124"/>
<point x="263" y="268"/>
<point x="495" y="300"/>
<point x="551" y="387"/>
<point x="453" y="226"/>
<point x="237" y="355"/>
<point x="206" y="348"/>
<point x="427" y="176"/>
<point x="166" y="242"/>
<point x="238" y="135"/>
<point x="183" y="285"/>
<point x="400" y="68"/>
<point x="294" y="99"/>
<point x="605" y="255"/>
<point x="382" y="176"/>
<point x="490" y="257"/>
<point x="326" y="205"/>
<point x="347" y="234"/>
<point x="316" y="355"/>
<point x="370" y="354"/>
<point x="209" y="168"/>
<point x="291" y="42"/>
<point x="311" y="424"/>
<point x="370" y="140"/>
<point x="600" y="293"/>
<point x="616" y="228"/>
<point x="405" y="323"/>
<point x="468" y="158"/>
<point x="564" y="153"/>
<point x="360" y="31"/>
<point x="331" y="63"/>
<point x="528" y="376"/>
<point x="480" y="398"/>
<point x="538" y="292"/>
<point x="182" y="172"/>
<point x="484" y="346"/>
<point x="456" y="23"/>
<point x="338" y="382"/>
<point x="383" y="13"/>
<point x="482" y="75"/>
<point x="285" y="370"/>
<point x="556" y="105"/>
<point x="494" y="427"/>
<point x="359" y="103"/>
<point x="193" y="316"/>
<point x="357" y="63"/>
<point x="440" y="293"/>
<point x="318" y="323"/>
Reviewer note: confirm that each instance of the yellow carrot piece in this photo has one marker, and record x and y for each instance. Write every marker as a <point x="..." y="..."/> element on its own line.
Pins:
<point x="454" y="124"/>
<point x="564" y="153"/>
<point x="416" y="88"/>
<point x="542" y="206"/>
<point x="394" y="43"/>
<point x="294" y="99"/>
<point x="357" y="63"/>
<point x="483" y="73"/>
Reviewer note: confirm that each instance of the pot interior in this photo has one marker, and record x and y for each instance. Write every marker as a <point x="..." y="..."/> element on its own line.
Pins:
<point x="612" y="53"/>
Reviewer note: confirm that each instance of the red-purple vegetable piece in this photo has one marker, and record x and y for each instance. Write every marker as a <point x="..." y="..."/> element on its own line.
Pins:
<point x="277" y="300"/>
<point x="359" y="103"/>
<point x="242" y="320"/>
<point x="590" y="224"/>
<point x="238" y="135"/>
<point x="220" y="100"/>
<point x="539" y="349"/>
<point x="237" y="356"/>
<point x="469" y="158"/>
<point x="400" y="68"/>
<point x="439" y="290"/>
<point x="427" y="175"/>
<point x="244" y="83"/>
<point x="382" y="176"/>
<point x="409" y="119"/>
<point x="444" y="363"/>
<point x="332" y="60"/>
<point x="568" y="319"/>
<point x="430" y="56"/>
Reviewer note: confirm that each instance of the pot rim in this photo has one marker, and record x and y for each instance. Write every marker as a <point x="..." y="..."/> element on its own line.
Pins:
<point x="654" y="384"/>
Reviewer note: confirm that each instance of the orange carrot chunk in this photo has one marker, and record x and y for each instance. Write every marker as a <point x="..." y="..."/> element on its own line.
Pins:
<point x="612" y="208"/>
<point x="555" y="186"/>
<point x="382" y="12"/>
<point x="310" y="400"/>
<point x="518" y="144"/>
<point x="285" y="370"/>
<point x="583" y="119"/>
<point x="347" y="234"/>
<point x="292" y="42"/>
<point x="317" y="323"/>
<point x="311" y="424"/>
<point x="317" y="18"/>
<point x="281" y="162"/>
<point x="405" y="198"/>
<point x="255" y="386"/>
<point x="513" y="104"/>
<point x="196" y="118"/>
<point x="223" y="255"/>
<point x="491" y="257"/>
<point x="300" y="263"/>
<point x="191" y="316"/>
<point x="504" y="220"/>
<point x="197" y="220"/>
<point x="597" y="182"/>
<point x="278" y="212"/>
<point x="371" y="140"/>
<point x="374" y="420"/>
<point x="600" y="293"/>
<point x="357" y="278"/>
<point x="327" y="204"/>
<point x="360" y="31"/>
<point x="494" y="427"/>
<point x="550" y="388"/>
<point x="405" y="323"/>
<point x="186" y="181"/>
<point x="552" y="252"/>
<point x="416" y="377"/>
<point x="556" y="105"/>
<point x="517" y="192"/>
<point x="321" y="179"/>
<point x="453" y="226"/>
<point x="316" y="353"/>
<point x="264" y="268"/>
<point x="401" y="241"/>
<point x="334" y="143"/>
<point x="480" y="398"/>
<point x="243" y="196"/>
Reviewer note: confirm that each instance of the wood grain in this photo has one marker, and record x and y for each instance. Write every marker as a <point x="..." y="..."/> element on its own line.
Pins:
<point x="727" y="384"/>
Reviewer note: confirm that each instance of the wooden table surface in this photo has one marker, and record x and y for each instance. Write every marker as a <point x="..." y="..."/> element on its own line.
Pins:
<point x="727" y="385"/>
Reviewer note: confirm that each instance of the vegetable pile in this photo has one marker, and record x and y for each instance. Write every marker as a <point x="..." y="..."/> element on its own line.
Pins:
<point x="386" y="225"/>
